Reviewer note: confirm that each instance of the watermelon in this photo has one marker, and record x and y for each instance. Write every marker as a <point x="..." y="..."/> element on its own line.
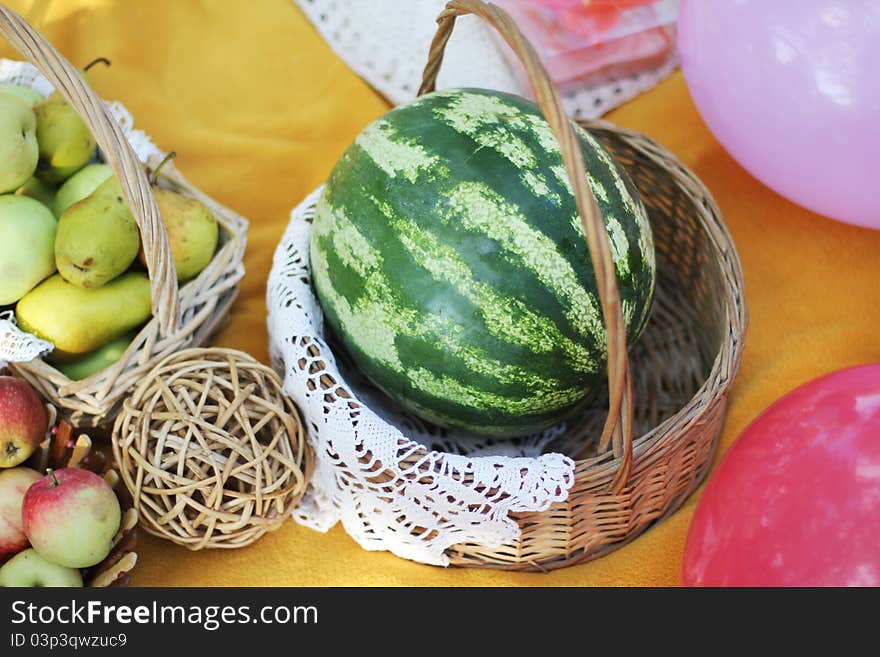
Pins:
<point x="450" y="262"/>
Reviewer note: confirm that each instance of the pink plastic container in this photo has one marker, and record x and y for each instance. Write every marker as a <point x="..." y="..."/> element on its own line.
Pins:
<point x="583" y="42"/>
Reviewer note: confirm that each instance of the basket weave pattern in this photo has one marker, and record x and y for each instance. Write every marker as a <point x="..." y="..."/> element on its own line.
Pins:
<point x="211" y="450"/>
<point x="683" y="367"/>
<point x="182" y="317"/>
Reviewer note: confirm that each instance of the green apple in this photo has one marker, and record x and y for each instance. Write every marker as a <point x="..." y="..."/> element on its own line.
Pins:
<point x="28" y="568"/>
<point x="70" y="517"/>
<point x="80" y="185"/>
<point x="27" y="245"/>
<point x="19" y="151"/>
<point x="28" y="95"/>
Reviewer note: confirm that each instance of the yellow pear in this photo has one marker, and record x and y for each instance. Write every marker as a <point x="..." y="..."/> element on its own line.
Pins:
<point x="66" y="143"/>
<point x="192" y="230"/>
<point x="78" y="320"/>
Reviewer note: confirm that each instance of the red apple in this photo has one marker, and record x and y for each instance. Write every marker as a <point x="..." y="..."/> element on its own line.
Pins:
<point x="13" y="484"/>
<point x="70" y="516"/>
<point x="23" y="421"/>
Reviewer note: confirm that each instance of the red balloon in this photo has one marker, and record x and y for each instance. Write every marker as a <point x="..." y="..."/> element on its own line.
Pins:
<point x="796" y="500"/>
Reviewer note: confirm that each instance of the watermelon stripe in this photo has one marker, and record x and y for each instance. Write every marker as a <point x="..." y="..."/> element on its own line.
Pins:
<point x="491" y="122"/>
<point x="512" y="276"/>
<point x="505" y="317"/>
<point x="416" y="279"/>
<point x="377" y="308"/>
<point x="392" y="154"/>
<point x="482" y="211"/>
<point x="449" y="258"/>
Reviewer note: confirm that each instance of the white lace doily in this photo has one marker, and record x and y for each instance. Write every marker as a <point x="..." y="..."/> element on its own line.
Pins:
<point x="15" y="345"/>
<point x="386" y="42"/>
<point x="356" y="438"/>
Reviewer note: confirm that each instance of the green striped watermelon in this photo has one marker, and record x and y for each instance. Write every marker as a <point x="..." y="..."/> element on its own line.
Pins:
<point x="449" y="259"/>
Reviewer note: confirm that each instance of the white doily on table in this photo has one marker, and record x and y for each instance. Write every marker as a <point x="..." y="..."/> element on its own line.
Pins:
<point x="16" y="345"/>
<point x="353" y="444"/>
<point x="386" y="42"/>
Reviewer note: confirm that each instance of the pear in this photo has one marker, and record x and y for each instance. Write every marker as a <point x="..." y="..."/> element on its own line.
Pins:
<point x="27" y="235"/>
<point x="192" y="231"/>
<point x="37" y="189"/>
<point x="94" y="361"/>
<point x="80" y="185"/>
<point x="79" y="321"/>
<point x="97" y="238"/>
<point x="192" y="228"/>
<point x="28" y="95"/>
<point x="18" y="143"/>
<point x="66" y="143"/>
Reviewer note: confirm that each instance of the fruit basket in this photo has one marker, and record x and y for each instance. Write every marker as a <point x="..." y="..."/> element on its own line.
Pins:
<point x="569" y="494"/>
<point x="183" y="315"/>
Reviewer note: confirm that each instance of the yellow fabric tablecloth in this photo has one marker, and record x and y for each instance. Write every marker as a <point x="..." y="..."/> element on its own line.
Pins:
<point x="258" y="108"/>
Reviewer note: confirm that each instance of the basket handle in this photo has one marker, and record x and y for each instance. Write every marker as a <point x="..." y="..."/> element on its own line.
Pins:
<point x="618" y="428"/>
<point x="119" y="154"/>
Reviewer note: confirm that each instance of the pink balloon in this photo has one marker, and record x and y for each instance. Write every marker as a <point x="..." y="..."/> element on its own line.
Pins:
<point x="791" y="89"/>
<point x="796" y="500"/>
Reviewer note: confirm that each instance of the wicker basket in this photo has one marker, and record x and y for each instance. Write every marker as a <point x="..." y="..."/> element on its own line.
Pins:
<point x="640" y="454"/>
<point x="182" y="317"/>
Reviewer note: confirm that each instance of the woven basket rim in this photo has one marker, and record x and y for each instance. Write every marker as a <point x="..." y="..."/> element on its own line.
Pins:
<point x="727" y="360"/>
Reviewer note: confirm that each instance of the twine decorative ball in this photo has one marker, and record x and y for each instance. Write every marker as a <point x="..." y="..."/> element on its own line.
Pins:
<point x="211" y="450"/>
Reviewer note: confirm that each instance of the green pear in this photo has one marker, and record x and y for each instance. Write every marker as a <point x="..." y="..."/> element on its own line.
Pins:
<point x="80" y="185"/>
<point x="19" y="151"/>
<point x="66" y="143"/>
<point x="192" y="231"/>
<point x="97" y="238"/>
<point x="37" y="189"/>
<point x="79" y="320"/>
<point x="27" y="236"/>
<point x="28" y="95"/>
<point x="94" y="361"/>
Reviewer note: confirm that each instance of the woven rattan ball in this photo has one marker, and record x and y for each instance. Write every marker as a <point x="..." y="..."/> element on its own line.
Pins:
<point x="211" y="450"/>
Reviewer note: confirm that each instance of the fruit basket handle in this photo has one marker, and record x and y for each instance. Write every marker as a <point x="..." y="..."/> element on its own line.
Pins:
<point x="119" y="155"/>
<point x="618" y="428"/>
